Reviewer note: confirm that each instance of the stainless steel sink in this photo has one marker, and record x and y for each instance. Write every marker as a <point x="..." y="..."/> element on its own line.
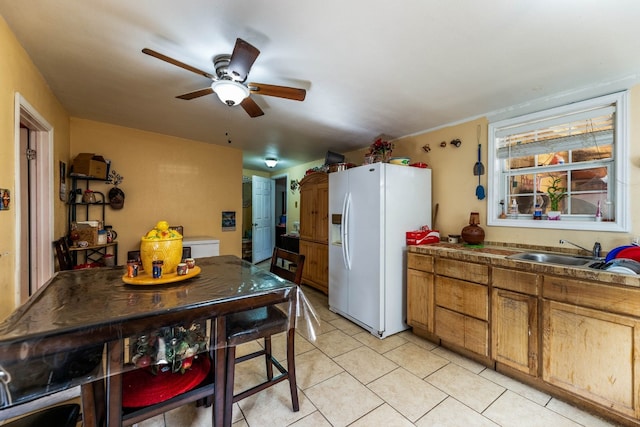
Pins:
<point x="558" y="259"/>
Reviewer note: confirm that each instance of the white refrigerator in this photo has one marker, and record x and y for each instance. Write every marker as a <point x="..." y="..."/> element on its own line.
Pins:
<point x="371" y="207"/>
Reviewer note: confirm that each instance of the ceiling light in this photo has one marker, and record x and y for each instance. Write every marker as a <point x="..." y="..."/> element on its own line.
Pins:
<point x="271" y="163"/>
<point x="230" y="92"/>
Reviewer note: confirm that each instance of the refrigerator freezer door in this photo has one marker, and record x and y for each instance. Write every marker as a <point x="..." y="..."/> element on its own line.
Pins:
<point x="338" y="276"/>
<point x="366" y="246"/>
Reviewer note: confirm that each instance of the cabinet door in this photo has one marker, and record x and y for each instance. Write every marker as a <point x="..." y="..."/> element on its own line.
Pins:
<point x="321" y="232"/>
<point x="461" y="330"/>
<point x="593" y="354"/>
<point x="514" y="330"/>
<point x="420" y="303"/>
<point x="307" y="209"/>
<point x="316" y="265"/>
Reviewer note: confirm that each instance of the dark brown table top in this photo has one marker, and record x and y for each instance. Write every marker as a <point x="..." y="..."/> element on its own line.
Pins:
<point x="85" y="308"/>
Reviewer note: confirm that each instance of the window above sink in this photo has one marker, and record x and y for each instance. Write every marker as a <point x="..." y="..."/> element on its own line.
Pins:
<point x="580" y="150"/>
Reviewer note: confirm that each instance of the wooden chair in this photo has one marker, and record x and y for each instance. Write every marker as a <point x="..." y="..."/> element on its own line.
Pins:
<point x="264" y="322"/>
<point x="56" y="416"/>
<point x="63" y="254"/>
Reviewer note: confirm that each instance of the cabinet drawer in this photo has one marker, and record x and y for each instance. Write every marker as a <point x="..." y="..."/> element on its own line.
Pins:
<point x="469" y="271"/>
<point x="464" y="297"/>
<point x="420" y="262"/>
<point x="461" y="330"/>
<point x="517" y="281"/>
<point x="608" y="297"/>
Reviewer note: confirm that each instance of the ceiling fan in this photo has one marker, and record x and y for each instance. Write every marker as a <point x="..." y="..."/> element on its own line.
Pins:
<point x="229" y="79"/>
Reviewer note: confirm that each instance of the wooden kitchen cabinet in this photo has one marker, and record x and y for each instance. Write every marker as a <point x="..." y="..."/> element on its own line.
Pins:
<point x="316" y="265"/>
<point x="462" y="304"/>
<point x="591" y="341"/>
<point x="420" y="292"/>
<point x="514" y="319"/>
<point x="592" y="354"/>
<point x="314" y="230"/>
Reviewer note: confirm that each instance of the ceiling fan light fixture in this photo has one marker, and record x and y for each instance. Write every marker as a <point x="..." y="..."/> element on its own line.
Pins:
<point x="230" y="92"/>
<point x="271" y="162"/>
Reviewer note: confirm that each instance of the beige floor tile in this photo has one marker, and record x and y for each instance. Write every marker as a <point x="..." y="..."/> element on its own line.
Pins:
<point x="241" y="423"/>
<point x="190" y="416"/>
<point x="381" y="346"/>
<point x="577" y="415"/>
<point x="419" y="341"/>
<point x="249" y="373"/>
<point x="365" y="364"/>
<point x="336" y="342"/>
<point x="324" y="313"/>
<point x="459" y="360"/>
<point x="522" y="389"/>
<point x="157" y="421"/>
<point x="471" y="389"/>
<point x="512" y="409"/>
<point x="416" y="360"/>
<point x="279" y="346"/>
<point x="342" y="399"/>
<point x="451" y="413"/>
<point x="383" y="416"/>
<point x="407" y="394"/>
<point x="248" y="347"/>
<point x="313" y="367"/>
<point x="316" y="419"/>
<point x="272" y="407"/>
<point x="346" y="326"/>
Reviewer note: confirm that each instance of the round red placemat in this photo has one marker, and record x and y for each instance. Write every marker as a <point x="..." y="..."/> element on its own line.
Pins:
<point x="142" y="388"/>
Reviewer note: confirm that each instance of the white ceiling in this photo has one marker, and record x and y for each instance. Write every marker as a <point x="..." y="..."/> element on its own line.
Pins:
<point x="370" y="67"/>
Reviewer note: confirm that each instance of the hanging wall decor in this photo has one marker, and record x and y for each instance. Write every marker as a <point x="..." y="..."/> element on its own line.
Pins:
<point x="6" y="199"/>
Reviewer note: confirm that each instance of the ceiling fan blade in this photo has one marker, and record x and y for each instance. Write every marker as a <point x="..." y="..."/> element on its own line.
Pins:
<point x="279" y="91"/>
<point x="251" y="107"/>
<point x="196" y="94"/>
<point x="176" y="62"/>
<point x="242" y="58"/>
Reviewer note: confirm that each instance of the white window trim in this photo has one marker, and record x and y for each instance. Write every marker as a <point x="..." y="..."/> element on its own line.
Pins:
<point x="621" y="153"/>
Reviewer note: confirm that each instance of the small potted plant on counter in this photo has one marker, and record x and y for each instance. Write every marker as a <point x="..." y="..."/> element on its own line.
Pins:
<point x="556" y="193"/>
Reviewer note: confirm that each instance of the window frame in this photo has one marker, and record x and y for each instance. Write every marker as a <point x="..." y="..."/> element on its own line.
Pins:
<point x="496" y="192"/>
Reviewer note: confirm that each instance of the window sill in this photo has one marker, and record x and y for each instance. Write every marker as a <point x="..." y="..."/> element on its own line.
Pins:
<point x="525" y="221"/>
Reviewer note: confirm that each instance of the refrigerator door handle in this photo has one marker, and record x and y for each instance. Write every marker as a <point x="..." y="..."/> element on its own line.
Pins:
<point x="346" y="210"/>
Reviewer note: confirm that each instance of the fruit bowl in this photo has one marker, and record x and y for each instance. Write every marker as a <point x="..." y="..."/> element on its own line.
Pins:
<point x="399" y="161"/>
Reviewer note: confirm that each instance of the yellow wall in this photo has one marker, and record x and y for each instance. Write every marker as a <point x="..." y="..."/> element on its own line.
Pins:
<point x="454" y="184"/>
<point x="18" y="74"/>
<point x="185" y="182"/>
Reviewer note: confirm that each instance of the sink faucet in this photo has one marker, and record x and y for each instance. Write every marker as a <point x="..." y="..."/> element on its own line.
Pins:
<point x="595" y="252"/>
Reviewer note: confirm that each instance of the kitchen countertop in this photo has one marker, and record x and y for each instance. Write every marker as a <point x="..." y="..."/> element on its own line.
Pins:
<point x="496" y="253"/>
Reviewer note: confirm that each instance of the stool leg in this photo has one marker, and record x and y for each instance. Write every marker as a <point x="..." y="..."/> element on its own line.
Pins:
<point x="228" y="402"/>
<point x="291" y="369"/>
<point x="267" y="355"/>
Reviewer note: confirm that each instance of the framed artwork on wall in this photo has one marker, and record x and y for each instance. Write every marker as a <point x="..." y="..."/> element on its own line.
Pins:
<point x="228" y="221"/>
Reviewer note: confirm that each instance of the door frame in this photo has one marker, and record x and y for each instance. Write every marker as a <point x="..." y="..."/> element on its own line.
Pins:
<point x="41" y="226"/>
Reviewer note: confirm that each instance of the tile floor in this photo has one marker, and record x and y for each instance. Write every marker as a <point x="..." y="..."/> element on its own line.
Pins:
<point x="347" y="377"/>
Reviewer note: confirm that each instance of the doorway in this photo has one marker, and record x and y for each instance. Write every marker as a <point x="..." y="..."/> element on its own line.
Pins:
<point x="33" y="201"/>
<point x="264" y="208"/>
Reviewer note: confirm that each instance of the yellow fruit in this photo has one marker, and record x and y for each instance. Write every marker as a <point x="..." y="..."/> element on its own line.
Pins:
<point x="151" y="234"/>
<point x="162" y="225"/>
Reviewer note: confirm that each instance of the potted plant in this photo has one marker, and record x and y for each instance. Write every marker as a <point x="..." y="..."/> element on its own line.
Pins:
<point x="556" y="193"/>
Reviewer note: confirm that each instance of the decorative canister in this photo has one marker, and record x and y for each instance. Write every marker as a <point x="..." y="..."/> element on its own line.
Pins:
<point x="473" y="234"/>
<point x="161" y="244"/>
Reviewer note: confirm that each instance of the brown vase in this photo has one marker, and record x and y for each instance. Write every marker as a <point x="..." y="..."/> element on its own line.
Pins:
<point x="473" y="234"/>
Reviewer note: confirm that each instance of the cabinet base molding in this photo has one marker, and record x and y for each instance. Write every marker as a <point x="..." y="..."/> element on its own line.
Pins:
<point x="567" y="397"/>
<point x="483" y="360"/>
<point x="423" y="333"/>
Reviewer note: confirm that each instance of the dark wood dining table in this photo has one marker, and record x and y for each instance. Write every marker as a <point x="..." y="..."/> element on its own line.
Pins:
<point x="78" y="311"/>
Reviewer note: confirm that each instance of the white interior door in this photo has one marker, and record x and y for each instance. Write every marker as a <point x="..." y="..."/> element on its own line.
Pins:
<point x="34" y="200"/>
<point x="263" y="223"/>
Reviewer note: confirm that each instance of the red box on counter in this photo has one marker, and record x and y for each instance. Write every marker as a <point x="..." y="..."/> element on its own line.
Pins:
<point x="422" y="237"/>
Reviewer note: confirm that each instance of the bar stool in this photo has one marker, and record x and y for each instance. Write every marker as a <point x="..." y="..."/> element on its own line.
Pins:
<point x="264" y="322"/>
<point x="56" y="416"/>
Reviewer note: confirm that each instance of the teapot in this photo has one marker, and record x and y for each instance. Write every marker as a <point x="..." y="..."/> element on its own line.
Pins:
<point x="111" y="233"/>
